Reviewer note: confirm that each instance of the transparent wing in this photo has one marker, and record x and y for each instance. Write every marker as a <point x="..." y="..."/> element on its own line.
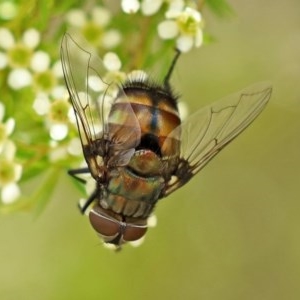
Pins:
<point x="92" y="98"/>
<point x="205" y="133"/>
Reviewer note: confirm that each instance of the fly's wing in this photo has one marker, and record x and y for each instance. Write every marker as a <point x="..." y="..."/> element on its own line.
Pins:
<point x="205" y="133"/>
<point x="91" y="98"/>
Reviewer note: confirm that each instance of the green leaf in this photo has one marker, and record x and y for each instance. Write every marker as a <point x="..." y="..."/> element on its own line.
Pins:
<point x="220" y="7"/>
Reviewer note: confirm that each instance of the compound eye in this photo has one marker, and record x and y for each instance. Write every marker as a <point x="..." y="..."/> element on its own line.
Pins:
<point x="103" y="224"/>
<point x="111" y="229"/>
<point x="134" y="232"/>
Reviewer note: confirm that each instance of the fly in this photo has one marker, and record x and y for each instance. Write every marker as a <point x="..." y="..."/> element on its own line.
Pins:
<point x="135" y="145"/>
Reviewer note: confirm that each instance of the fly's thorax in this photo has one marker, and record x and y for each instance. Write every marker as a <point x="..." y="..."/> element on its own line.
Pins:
<point x="155" y="115"/>
<point x="142" y="111"/>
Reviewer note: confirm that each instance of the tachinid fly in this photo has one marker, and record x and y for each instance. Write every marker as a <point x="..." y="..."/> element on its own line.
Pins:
<point x="136" y="147"/>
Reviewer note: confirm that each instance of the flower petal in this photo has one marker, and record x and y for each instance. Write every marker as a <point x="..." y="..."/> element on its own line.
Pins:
<point x="74" y="147"/>
<point x="31" y="38"/>
<point x="18" y="172"/>
<point x="19" y="78"/>
<point x="60" y="92"/>
<point x="112" y="62"/>
<point x="8" y="10"/>
<point x="58" y="131"/>
<point x="57" y="154"/>
<point x="8" y="150"/>
<point x="76" y="17"/>
<point x="7" y="39"/>
<point x="57" y="69"/>
<point x="130" y="6"/>
<point x="199" y="38"/>
<point x="138" y="242"/>
<point x="167" y="29"/>
<point x="183" y="109"/>
<point x="101" y="16"/>
<point x="194" y="14"/>
<point x="184" y="43"/>
<point x="96" y="84"/>
<point x="41" y="104"/>
<point x="111" y="38"/>
<point x="150" y="7"/>
<point x="176" y="5"/>
<point x="152" y="221"/>
<point x="10" y="193"/>
<point x="10" y="126"/>
<point x="40" y="61"/>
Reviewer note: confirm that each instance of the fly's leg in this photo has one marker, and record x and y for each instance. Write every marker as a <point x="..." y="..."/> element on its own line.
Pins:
<point x="171" y="69"/>
<point x="76" y="172"/>
<point x="89" y="201"/>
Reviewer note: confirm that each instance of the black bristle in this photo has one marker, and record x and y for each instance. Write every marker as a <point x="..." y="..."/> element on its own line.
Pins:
<point x="152" y="87"/>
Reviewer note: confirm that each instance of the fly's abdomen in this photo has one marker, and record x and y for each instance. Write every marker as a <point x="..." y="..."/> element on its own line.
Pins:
<point x="133" y="190"/>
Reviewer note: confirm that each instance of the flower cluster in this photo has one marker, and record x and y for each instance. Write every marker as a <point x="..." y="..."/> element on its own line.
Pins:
<point x="28" y="66"/>
<point x="35" y="91"/>
<point x="183" y="23"/>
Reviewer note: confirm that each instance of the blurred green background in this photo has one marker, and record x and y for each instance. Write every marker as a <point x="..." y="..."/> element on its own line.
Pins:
<point x="232" y="233"/>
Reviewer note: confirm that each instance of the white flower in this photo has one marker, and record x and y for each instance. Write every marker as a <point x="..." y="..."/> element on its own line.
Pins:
<point x="28" y="65"/>
<point x="57" y="109"/>
<point x="45" y="76"/>
<point x="93" y="26"/>
<point x="10" y="173"/>
<point x="18" y="56"/>
<point x="20" y="52"/>
<point x="183" y="24"/>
